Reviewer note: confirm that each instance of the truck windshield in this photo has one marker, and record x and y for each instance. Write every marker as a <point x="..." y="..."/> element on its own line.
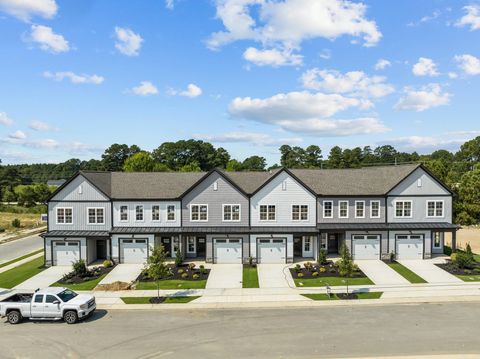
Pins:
<point x="67" y="295"/>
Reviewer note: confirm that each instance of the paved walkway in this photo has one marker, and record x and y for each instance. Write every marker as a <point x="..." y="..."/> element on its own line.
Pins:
<point x="380" y="273"/>
<point x="126" y="273"/>
<point x="427" y="269"/>
<point x="45" y="278"/>
<point x="225" y="276"/>
<point x="274" y="276"/>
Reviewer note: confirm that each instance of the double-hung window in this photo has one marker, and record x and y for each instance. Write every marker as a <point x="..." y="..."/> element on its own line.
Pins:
<point x="359" y="209"/>
<point x="155" y="213"/>
<point x="435" y="209"/>
<point x="231" y="212"/>
<point x="139" y="213"/>
<point x="267" y="212"/>
<point x="96" y="216"/>
<point x="123" y="213"/>
<point x="375" y="209"/>
<point x="403" y="209"/>
<point x="199" y="213"/>
<point x="342" y="209"/>
<point x="299" y="212"/>
<point x="170" y="212"/>
<point x="327" y="209"/>
<point x="64" y="215"/>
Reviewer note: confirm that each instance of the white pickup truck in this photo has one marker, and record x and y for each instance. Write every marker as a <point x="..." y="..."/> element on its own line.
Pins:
<point x="52" y="303"/>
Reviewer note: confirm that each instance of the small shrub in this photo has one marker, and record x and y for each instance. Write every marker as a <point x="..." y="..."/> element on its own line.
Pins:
<point x="392" y="257"/>
<point x="297" y="268"/>
<point x="202" y="269"/>
<point x="308" y="266"/>
<point x="355" y="268"/>
<point x="467" y="271"/>
<point x="447" y="250"/>
<point x="315" y="274"/>
<point x="2" y="229"/>
<point x="250" y="261"/>
<point x="195" y="276"/>
<point x="178" y="258"/>
<point x="468" y="251"/>
<point x="107" y="263"/>
<point x="322" y="256"/>
<point x="453" y="257"/>
<point x="322" y="269"/>
<point x="300" y="275"/>
<point x="332" y="270"/>
<point x="180" y="271"/>
<point x="16" y="223"/>
<point x="185" y="275"/>
<point x="477" y="270"/>
<point x="80" y="268"/>
<point x="191" y="266"/>
<point x="463" y="260"/>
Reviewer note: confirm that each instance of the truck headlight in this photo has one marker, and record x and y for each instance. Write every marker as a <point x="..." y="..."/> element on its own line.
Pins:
<point x="84" y="306"/>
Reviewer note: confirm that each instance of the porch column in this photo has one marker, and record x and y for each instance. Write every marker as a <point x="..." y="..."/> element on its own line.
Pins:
<point x="454" y="240"/>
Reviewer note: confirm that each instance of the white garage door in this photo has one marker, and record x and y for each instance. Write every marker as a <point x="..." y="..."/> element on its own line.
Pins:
<point x="366" y="247"/>
<point x="133" y="251"/>
<point x="65" y="253"/>
<point x="227" y="250"/>
<point x="409" y="246"/>
<point x="271" y="250"/>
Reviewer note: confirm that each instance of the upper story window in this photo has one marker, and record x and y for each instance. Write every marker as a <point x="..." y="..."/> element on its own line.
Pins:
<point x="403" y="209"/>
<point x="343" y="209"/>
<point x="375" y="209"/>
<point x="199" y="212"/>
<point x="434" y="208"/>
<point x="64" y="215"/>
<point x="139" y="213"/>
<point x="96" y="216"/>
<point x="327" y="209"/>
<point x="123" y="213"/>
<point x="156" y="213"/>
<point x="359" y="209"/>
<point x="300" y="212"/>
<point x="231" y="212"/>
<point x="170" y="212"/>
<point x="267" y="212"/>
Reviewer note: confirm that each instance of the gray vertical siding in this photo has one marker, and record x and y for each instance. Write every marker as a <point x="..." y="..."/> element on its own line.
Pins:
<point x="419" y="209"/>
<point x="351" y="210"/>
<point x="80" y="216"/>
<point x="71" y="191"/>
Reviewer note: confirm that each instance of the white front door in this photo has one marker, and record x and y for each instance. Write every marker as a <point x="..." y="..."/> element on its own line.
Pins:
<point x="227" y="250"/>
<point x="409" y="246"/>
<point x="65" y="253"/>
<point x="271" y="250"/>
<point x="366" y="246"/>
<point x="133" y="251"/>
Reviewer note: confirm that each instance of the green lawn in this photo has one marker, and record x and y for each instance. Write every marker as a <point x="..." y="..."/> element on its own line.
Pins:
<point x="173" y="284"/>
<point x="17" y="275"/>
<point x="333" y="296"/>
<point x="87" y="285"/>
<point x="20" y="258"/>
<point x="469" y="277"/>
<point x="331" y="281"/>
<point x="168" y="300"/>
<point x="406" y="273"/>
<point x="250" y="277"/>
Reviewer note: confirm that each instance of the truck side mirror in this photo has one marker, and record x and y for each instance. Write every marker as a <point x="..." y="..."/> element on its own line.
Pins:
<point x="56" y="302"/>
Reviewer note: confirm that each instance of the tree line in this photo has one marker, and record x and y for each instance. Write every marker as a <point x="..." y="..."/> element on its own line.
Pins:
<point x="459" y="170"/>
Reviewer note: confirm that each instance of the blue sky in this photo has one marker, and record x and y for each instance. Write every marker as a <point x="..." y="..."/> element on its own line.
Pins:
<point x="247" y="75"/>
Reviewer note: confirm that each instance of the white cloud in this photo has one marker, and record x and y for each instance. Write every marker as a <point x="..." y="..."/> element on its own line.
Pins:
<point x="26" y="9"/>
<point x="192" y="91"/>
<point x="452" y="75"/>
<point x="36" y="143"/>
<point x="354" y="83"/>
<point x="18" y="135"/>
<point x="145" y="88"/>
<point x="40" y="126"/>
<point x="272" y="57"/>
<point x="74" y="78"/>
<point x="248" y="137"/>
<point x="81" y="149"/>
<point x="382" y="64"/>
<point x="169" y="4"/>
<point x="47" y="39"/>
<point x="427" y="144"/>
<point x="435" y="15"/>
<point x="5" y="120"/>
<point x="425" y="67"/>
<point x="471" y="18"/>
<point x="469" y="64"/>
<point x="325" y="54"/>
<point x="128" y="42"/>
<point x="426" y="97"/>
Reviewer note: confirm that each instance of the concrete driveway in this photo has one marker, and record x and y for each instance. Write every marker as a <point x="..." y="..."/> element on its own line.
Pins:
<point x="274" y="276"/>
<point x="379" y="272"/>
<point x="427" y="269"/>
<point x="123" y="272"/>
<point x="225" y="276"/>
<point x="45" y="278"/>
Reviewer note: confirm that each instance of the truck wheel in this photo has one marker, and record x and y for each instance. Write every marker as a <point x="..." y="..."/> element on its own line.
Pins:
<point x="70" y="317"/>
<point x="14" y="317"/>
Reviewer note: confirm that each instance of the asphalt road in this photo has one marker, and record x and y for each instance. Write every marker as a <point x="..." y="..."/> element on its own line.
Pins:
<point x="357" y="331"/>
<point x="19" y="247"/>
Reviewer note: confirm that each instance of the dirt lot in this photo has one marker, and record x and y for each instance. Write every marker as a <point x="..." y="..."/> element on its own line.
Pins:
<point x="27" y="221"/>
<point x="466" y="235"/>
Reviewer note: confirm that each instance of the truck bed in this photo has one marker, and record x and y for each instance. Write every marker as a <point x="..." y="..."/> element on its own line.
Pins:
<point x="19" y="298"/>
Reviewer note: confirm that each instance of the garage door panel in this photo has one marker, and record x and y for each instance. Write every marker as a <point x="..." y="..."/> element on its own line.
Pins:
<point x="228" y="251"/>
<point x="133" y="251"/>
<point x="409" y="247"/>
<point x="272" y="251"/>
<point x="66" y="253"/>
<point x="366" y="247"/>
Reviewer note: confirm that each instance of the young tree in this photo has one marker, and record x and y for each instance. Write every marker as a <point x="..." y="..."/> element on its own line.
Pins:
<point x="233" y="166"/>
<point x="156" y="267"/>
<point x="141" y="162"/>
<point x="115" y="156"/>
<point x="254" y="163"/>
<point x="345" y="264"/>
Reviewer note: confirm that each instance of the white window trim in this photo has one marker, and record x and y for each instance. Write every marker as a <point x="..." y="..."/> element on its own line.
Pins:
<point x="310" y="243"/>
<point x="159" y="213"/>
<point x="231" y="205"/>
<point x="174" y="213"/>
<point x="96" y="223"/>
<point x="379" y="209"/>
<point x="135" y="213"/>
<point x="199" y="205"/>
<point x="194" y="245"/>
<point x="323" y="209"/>
<point x="357" y="216"/>
<point x="64" y="216"/>
<point x="435" y="208"/>
<point x="395" y="208"/>
<point x="300" y="213"/>
<point x="267" y="220"/>
<point x="339" y="212"/>
<point x="120" y="213"/>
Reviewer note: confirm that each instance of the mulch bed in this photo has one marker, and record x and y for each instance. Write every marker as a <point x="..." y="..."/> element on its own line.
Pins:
<point x="178" y="272"/>
<point x="345" y="296"/>
<point x="330" y="271"/>
<point x="92" y="274"/>
<point x="157" y="300"/>
<point x="455" y="270"/>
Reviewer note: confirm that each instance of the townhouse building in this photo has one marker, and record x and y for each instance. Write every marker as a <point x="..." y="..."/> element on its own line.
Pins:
<point x="229" y="217"/>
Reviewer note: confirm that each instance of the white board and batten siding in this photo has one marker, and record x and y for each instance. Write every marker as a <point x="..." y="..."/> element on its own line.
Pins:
<point x="147" y="214"/>
<point x="283" y="192"/>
